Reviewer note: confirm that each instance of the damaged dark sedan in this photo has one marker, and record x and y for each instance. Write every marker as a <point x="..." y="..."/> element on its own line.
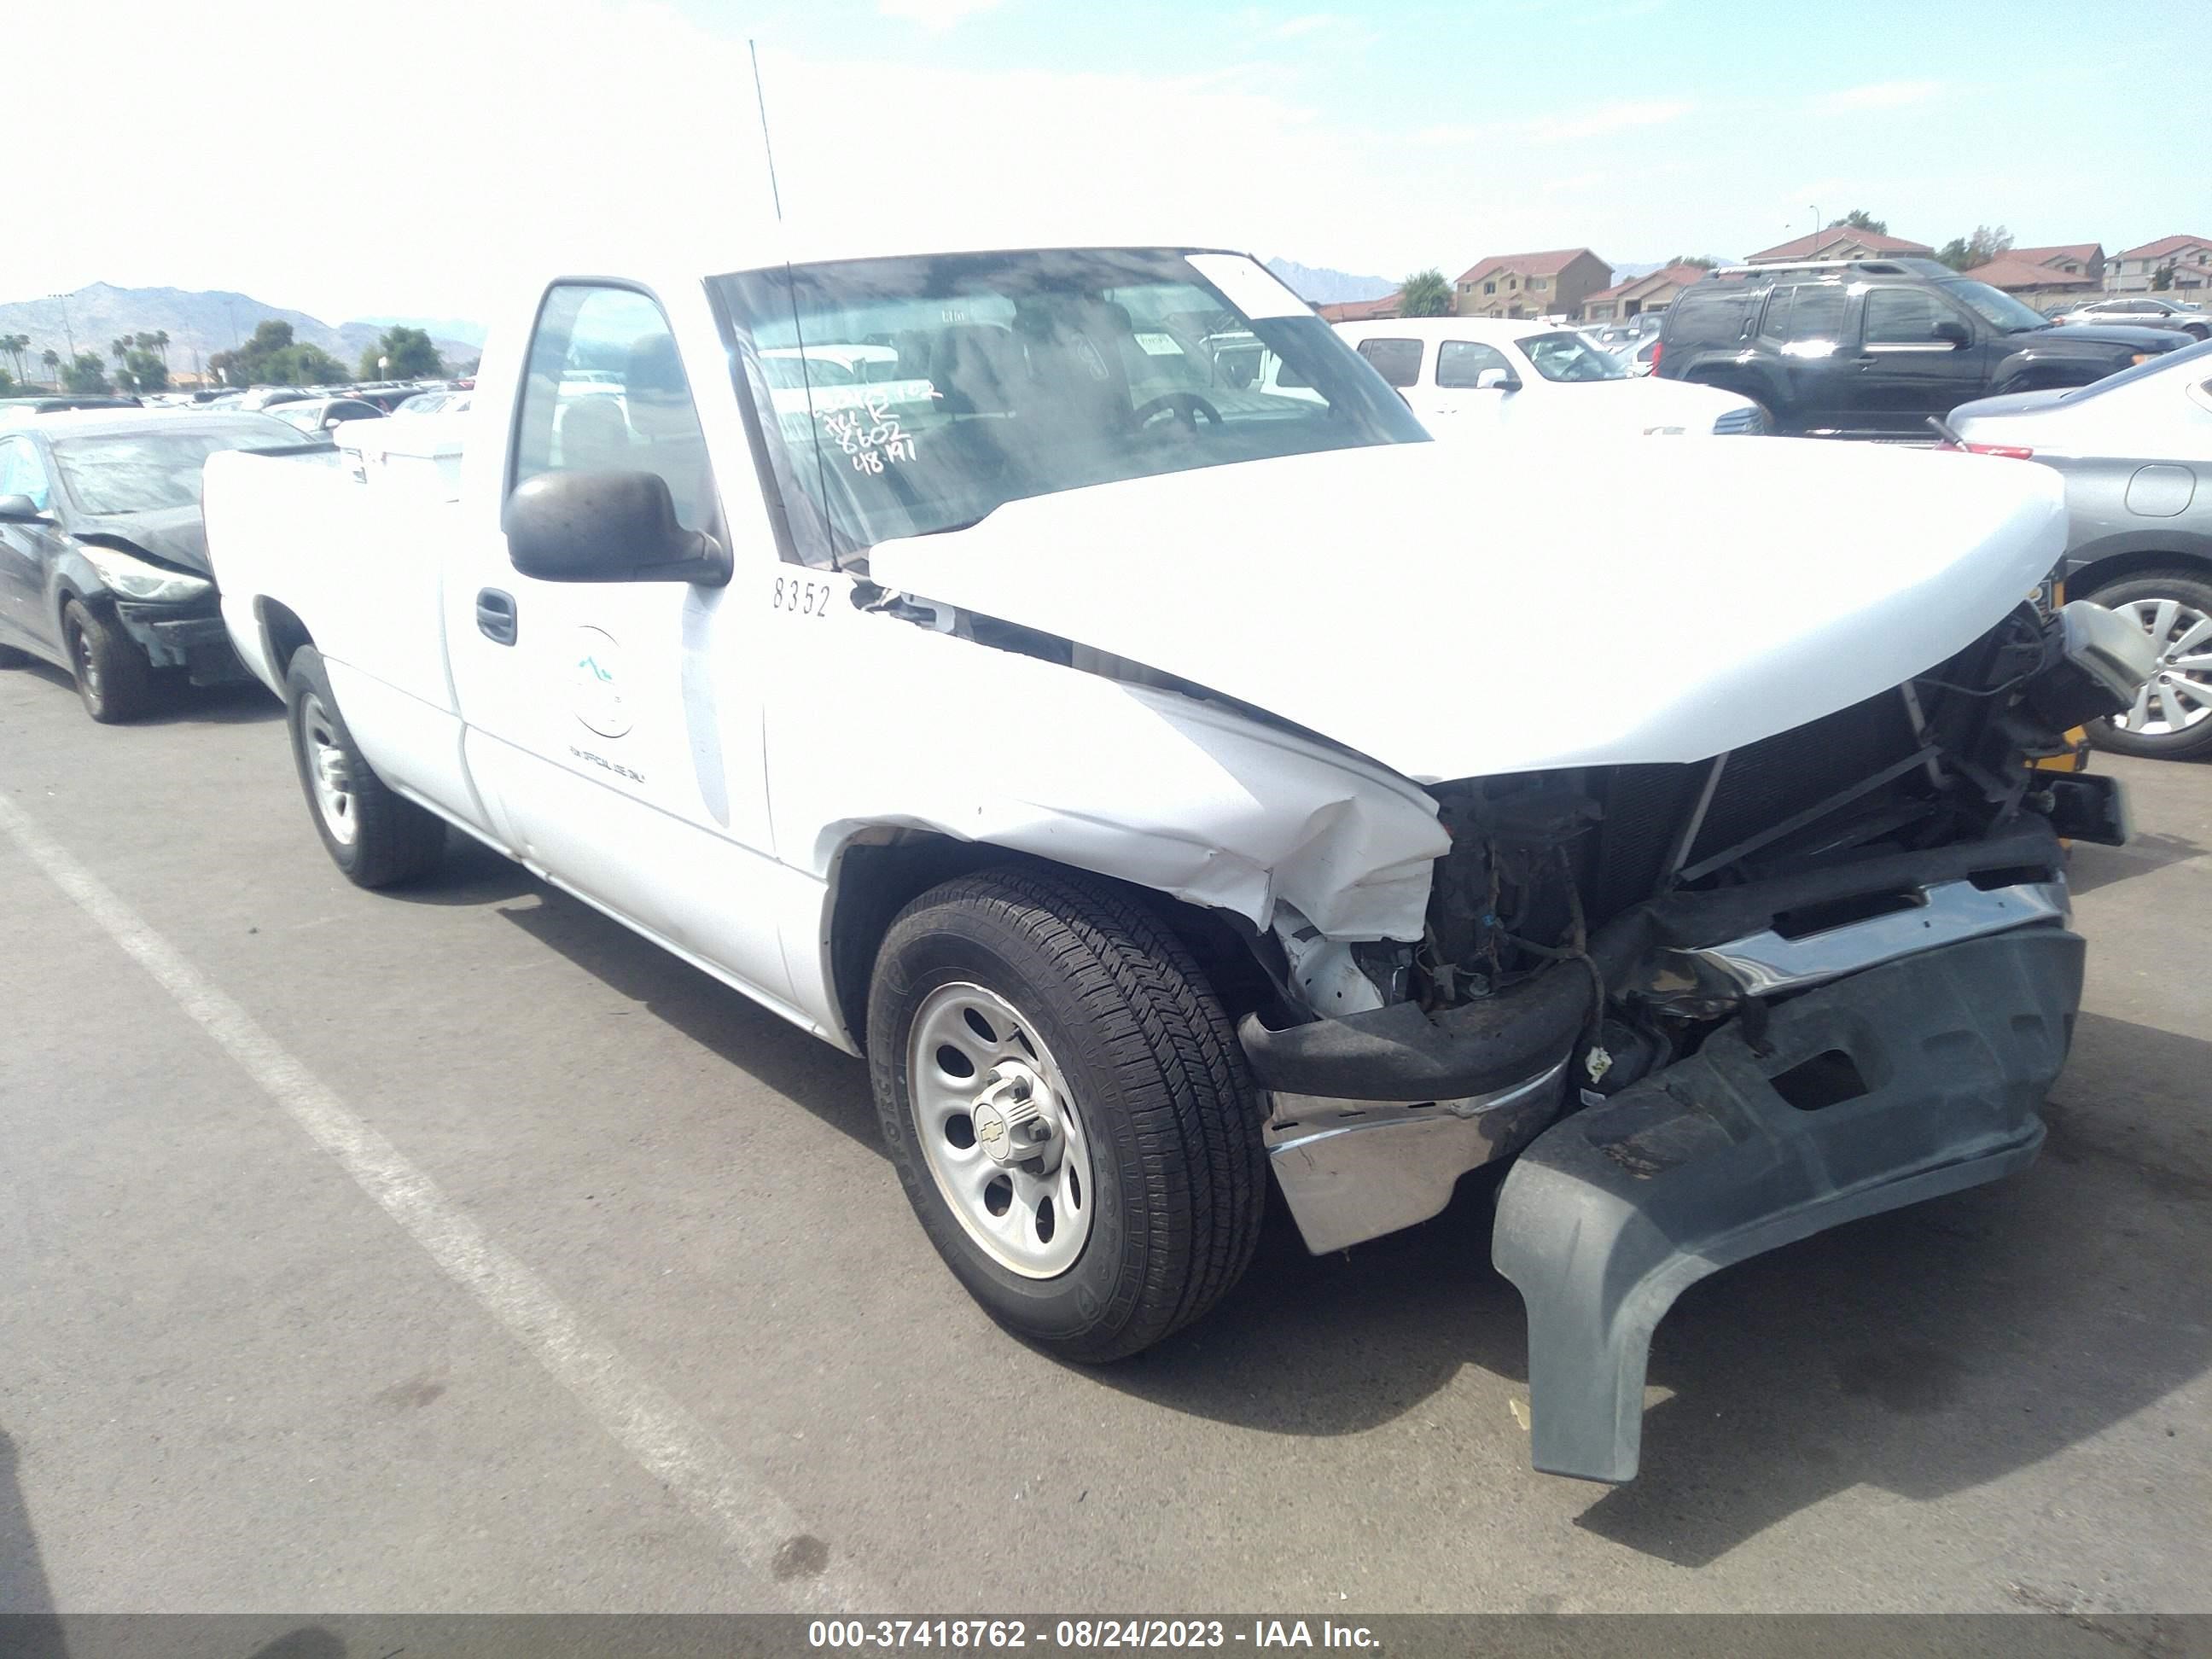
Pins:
<point x="103" y="561"/>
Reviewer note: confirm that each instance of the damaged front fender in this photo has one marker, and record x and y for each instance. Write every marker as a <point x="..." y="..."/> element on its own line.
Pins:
<point x="1187" y="798"/>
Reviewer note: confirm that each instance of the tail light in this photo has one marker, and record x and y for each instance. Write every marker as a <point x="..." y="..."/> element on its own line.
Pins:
<point x="2010" y="452"/>
<point x="1658" y="351"/>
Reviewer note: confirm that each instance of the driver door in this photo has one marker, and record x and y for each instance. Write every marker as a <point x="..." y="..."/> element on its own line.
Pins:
<point x="613" y="727"/>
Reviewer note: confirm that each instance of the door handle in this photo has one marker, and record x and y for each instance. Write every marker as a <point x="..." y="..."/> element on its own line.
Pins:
<point x="496" y="615"/>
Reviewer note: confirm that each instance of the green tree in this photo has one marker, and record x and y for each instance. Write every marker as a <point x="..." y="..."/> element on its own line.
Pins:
<point x="253" y="363"/>
<point x="1860" y="219"/>
<point x="120" y="349"/>
<point x="304" y="365"/>
<point x="14" y="345"/>
<point x="1425" y="294"/>
<point x="2161" y="279"/>
<point x="410" y="355"/>
<point x="86" y="374"/>
<point x="162" y="344"/>
<point x="1965" y="252"/>
<point x="52" y="360"/>
<point x="7" y="384"/>
<point x="148" y="372"/>
<point x="1701" y="261"/>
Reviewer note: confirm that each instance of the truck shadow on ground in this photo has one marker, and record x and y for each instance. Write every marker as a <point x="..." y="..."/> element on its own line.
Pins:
<point x="801" y="1067"/>
<point x="29" y="1628"/>
<point x="1924" y="1352"/>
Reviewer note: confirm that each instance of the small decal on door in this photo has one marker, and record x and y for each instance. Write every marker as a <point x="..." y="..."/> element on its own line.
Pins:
<point x="595" y="683"/>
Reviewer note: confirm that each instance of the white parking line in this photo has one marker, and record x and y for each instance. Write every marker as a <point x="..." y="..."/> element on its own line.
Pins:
<point x="666" y="1439"/>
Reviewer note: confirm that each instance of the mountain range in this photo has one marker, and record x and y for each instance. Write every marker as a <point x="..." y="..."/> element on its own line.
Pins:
<point x="200" y="322"/>
<point x="1318" y="285"/>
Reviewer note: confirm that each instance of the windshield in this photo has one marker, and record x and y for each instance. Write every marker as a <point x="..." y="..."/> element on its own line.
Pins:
<point x="1571" y="357"/>
<point x="116" y="472"/>
<point x="1997" y="307"/>
<point x="991" y="377"/>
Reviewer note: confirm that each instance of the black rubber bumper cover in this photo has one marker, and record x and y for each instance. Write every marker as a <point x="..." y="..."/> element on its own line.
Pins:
<point x="1399" y="1053"/>
<point x="194" y="640"/>
<point x="1612" y="1213"/>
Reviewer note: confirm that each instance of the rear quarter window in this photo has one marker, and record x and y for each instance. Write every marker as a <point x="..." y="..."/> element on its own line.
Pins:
<point x="1713" y="318"/>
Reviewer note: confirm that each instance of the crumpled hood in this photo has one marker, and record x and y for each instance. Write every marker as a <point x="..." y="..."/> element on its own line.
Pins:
<point x="1455" y="612"/>
<point x="174" y="535"/>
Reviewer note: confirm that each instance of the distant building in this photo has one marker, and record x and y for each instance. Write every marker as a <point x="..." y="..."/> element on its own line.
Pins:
<point x="2077" y="259"/>
<point x="1360" y="311"/>
<point x="1654" y="292"/>
<point x="1836" y="242"/>
<point x="1552" y="283"/>
<point x="2135" y="271"/>
<point x="2038" y="274"/>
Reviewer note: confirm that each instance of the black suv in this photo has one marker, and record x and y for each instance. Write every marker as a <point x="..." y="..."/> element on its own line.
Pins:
<point x="1871" y="348"/>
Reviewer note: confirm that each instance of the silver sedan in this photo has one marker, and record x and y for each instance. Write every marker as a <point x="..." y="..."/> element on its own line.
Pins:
<point x="2135" y="451"/>
<point x="2141" y="311"/>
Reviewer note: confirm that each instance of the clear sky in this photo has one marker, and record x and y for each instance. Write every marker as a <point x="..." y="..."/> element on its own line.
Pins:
<point x="350" y="156"/>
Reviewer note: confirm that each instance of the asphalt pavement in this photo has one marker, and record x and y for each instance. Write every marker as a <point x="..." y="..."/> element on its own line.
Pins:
<point x="455" y="1249"/>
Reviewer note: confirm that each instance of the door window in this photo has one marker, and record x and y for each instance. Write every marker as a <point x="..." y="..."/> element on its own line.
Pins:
<point x="1797" y="316"/>
<point x="604" y="392"/>
<point x="1903" y="316"/>
<point x="21" y="473"/>
<point x="1398" y="361"/>
<point x="1461" y="363"/>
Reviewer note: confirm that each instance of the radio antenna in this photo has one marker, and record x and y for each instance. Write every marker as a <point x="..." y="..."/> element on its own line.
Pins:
<point x="790" y="290"/>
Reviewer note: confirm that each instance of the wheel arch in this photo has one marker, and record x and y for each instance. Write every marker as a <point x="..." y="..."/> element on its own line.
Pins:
<point x="282" y="634"/>
<point x="2089" y="571"/>
<point x="878" y="871"/>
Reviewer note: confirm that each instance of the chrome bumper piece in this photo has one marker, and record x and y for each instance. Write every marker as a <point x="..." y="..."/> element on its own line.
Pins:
<point x="1354" y="1170"/>
<point x="1766" y="963"/>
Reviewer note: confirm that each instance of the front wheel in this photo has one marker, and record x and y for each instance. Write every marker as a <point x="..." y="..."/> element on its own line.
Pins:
<point x="1067" y="1108"/>
<point x="376" y="837"/>
<point x="2172" y="719"/>
<point x="114" y="679"/>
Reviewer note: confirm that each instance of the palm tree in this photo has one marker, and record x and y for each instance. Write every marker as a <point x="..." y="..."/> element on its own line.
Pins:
<point x="52" y="360"/>
<point x="162" y="344"/>
<point x="14" y="345"/>
<point x="120" y="349"/>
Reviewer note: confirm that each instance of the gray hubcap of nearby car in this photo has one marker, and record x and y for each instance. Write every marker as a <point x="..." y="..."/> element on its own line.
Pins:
<point x="999" y="1130"/>
<point x="2179" y="693"/>
<point x="326" y="765"/>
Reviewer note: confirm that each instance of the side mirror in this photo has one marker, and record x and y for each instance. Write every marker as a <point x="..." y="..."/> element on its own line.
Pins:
<point x="606" y="527"/>
<point x="1953" y="333"/>
<point x="20" y="509"/>
<point x="1497" y="379"/>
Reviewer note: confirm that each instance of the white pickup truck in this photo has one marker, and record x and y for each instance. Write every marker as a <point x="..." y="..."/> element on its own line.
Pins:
<point x="1164" y="778"/>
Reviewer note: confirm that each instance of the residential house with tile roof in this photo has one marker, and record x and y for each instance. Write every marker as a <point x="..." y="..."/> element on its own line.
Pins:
<point x="1652" y="292"/>
<point x="1836" y="242"/>
<point x="2135" y="270"/>
<point x="1554" y="283"/>
<point x="1360" y="311"/>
